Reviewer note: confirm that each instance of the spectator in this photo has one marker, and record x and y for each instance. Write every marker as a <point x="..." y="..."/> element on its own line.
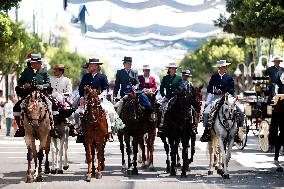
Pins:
<point x="8" y="109"/>
<point x="2" y="103"/>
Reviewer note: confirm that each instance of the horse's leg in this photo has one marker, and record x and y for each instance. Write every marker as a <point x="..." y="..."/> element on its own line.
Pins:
<point x="47" y="150"/>
<point x="135" y="152"/>
<point x="93" y="159"/>
<point x="54" y="155"/>
<point x="100" y="157"/>
<point x="167" y="149"/>
<point x="150" y="149"/>
<point x="66" y="164"/>
<point x="192" y="147"/>
<point x="210" y="149"/>
<point x="128" y="150"/>
<point x="276" y="156"/>
<point x="29" y="171"/>
<point x="174" y="148"/>
<point x="185" y="143"/>
<point x="121" y="144"/>
<point x="60" y="168"/>
<point x="40" y="158"/>
<point x="142" y="147"/>
<point x="33" y="146"/>
<point x="89" y="161"/>
<point x="223" y="154"/>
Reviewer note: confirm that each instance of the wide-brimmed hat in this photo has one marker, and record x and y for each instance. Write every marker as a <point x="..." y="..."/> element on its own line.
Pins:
<point x="94" y="61"/>
<point x="59" y="66"/>
<point x="277" y="59"/>
<point x="172" y="65"/>
<point x="222" y="63"/>
<point x="127" y="59"/>
<point x="35" y="58"/>
<point x="186" y="73"/>
<point x="146" y="67"/>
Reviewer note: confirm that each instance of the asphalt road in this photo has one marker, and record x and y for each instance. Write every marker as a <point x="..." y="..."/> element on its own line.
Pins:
<point x="249" y="168"/>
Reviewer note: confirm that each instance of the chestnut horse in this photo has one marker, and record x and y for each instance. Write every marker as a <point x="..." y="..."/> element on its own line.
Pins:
<point x="94" y="125"/>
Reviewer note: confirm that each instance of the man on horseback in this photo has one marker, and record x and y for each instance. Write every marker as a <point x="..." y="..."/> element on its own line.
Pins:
<point x="32" y="78"/>
<point x="147" y="85"/>
<point x="96" y="80"/>
<point x="274" y="73"/>
<point x="219" y="84"/>
<point x="186" y="83"/>
<point x="171" y="83"/>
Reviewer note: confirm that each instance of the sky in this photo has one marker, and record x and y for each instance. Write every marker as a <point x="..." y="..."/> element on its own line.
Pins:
<point x="154" y="32"/>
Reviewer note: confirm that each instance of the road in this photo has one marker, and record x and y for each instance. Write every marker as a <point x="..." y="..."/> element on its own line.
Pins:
<point x="249" y="168"/>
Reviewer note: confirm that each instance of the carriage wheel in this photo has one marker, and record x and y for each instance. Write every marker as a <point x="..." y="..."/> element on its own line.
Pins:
<point x="243" y="134"/>
<point x="263" y="136"/>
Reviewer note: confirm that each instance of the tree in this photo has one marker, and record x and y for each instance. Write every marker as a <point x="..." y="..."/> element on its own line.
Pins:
<point x="254" y="18"/>
<point x="202" y="61"/>
<point x="6" y="5"/>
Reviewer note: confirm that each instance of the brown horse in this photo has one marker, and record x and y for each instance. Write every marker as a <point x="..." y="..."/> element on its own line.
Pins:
<point x="136" y="125"/>
<point x="147" y="161"/>
<point x="36" y="120"/>
<point x="94" y="126"/>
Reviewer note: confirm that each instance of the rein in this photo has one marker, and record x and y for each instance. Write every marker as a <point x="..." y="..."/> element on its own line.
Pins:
<point x="32" y="108"/>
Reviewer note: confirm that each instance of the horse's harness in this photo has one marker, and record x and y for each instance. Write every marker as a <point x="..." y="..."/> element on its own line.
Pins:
<point x="32" y="108"/>
<point x="231" y="117"/>
<point x="90" y="106"/>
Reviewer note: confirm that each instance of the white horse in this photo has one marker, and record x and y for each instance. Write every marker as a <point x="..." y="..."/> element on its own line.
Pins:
<point x="59" y="146"/>
<point x="225" y="129"/>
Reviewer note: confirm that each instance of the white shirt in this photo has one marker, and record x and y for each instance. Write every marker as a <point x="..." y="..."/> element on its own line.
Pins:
<point x="61" y="84"/>
<point x="147" y="79"/>
<point x="8" y="109"/>
<point x="2" y="101"/>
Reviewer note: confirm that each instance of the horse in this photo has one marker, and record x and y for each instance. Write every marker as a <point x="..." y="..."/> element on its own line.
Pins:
<point x="94" y="125"/>
<point x="136" y="125"/>
<point x="37" y="119"/>
<point x="196" y="92"/>
<point x="149" y="139"/>
<point x="276" y="132"/>
<point x="178" y="127"/>
<point x="225" y="129"/>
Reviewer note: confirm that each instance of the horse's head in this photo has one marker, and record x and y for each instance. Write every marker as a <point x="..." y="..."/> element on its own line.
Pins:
<point x="93" y="104"/>
<point x="229" y="110"/>
<point x="196" y="92"/>
<point x="35" y="108"/>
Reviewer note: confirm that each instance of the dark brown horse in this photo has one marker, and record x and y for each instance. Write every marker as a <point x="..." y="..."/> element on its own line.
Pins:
<point x="276" y="131"/>
<point x="136" y="125"/>
<point x="178" y="127"/>
<point x="94" y="126"/>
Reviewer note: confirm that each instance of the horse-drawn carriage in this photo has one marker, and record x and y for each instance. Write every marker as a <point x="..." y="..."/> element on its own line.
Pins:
<point x="258" y="112"/>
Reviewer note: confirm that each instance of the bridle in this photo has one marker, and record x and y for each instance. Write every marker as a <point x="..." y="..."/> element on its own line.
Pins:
<point x="231" y="117"/>
<point x="32" y="108"/>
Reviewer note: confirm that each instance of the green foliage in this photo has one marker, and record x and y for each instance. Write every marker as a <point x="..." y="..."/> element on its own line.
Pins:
<point x="202" y="61"/>
<point x="72" y="60"/>
<point x="6" y="5"/>
<point x="254" y="18"/>
<point x="15" y="44"/>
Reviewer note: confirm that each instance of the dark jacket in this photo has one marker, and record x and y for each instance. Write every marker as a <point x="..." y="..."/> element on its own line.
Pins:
<point x="171" y="84"/>
<point x="123" y="79"/>
<point x="226" y="84"/>
<point x="99" y="81"/>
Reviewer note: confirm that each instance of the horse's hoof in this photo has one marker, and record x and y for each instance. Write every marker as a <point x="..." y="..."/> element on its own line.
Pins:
<point x="220" y="172"/>
<point x="152" y="168"/>
<point x="60" y="172"/>
<point x="30" y="179"/>
<point x="183" y="175"/>
<point x="178" y="165"/>
<point x="168" y="170"/>
<point x="190" y="160"/>
<point x="279" y="169"/>
<point x="47" y="171"/>
<point x="134" y="171"/>
<point x="128" y="172"/>
<point x="144" y="166"/>
<point x="88" y="178"/>
<point x="226" y="176"/>
<point x="210" y="172"/>
<point x="99" y="175"/>
<point x="66" y="167"/>
<point x="39" y="178"/>
<point x="173" y="172"/>
<point x="53" y="171"/>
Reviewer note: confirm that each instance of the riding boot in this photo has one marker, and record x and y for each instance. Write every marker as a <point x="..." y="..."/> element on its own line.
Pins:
<point x="20" y="131"/>
<point x="206" y="137"/>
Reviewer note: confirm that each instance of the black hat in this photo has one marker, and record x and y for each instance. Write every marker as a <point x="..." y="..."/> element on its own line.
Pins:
<point x="95" y="61"/>
<point x="127" y="59"/>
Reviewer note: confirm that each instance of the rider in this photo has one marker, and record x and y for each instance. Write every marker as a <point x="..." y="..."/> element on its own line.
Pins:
<point x="124" y="78"/>
<point x="96" y="80"/>
<point x="274" y="75"/>
<point x="219" y="84"/>
<point x="147" y="84"/>
<point x="171" y="82"/>
<point x="61" y="85"/>
<point x="186" y="83"/>
<point x="32" y="78"/>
